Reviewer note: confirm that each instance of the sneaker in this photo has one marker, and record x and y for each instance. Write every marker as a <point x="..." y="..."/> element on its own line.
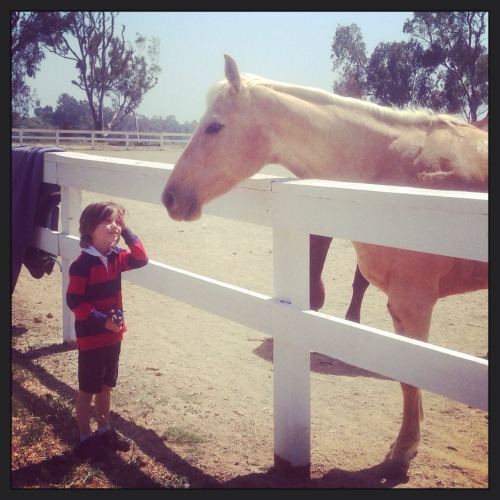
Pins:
<point x="114" y="440"/>
<point x="91" y="448"/>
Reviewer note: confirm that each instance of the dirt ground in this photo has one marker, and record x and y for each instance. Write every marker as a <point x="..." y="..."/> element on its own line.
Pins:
<point x="185" y="370"/>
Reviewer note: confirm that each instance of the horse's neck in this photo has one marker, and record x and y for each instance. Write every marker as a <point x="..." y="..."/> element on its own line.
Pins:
<point x="340" y="142"/>
<point x="325" y="142"/>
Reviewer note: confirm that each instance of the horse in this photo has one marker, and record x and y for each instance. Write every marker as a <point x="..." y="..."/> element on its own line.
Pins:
<point x="251" y="121"/>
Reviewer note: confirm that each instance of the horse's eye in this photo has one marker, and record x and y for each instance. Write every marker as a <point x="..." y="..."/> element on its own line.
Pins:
<point x="213" y="128"/>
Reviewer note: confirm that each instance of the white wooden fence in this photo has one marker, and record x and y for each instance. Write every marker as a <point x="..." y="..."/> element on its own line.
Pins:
<point x="26" y="136"/>
<point x="447" y="223"/>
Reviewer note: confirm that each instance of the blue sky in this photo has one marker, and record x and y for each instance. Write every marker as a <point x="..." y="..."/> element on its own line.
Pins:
<point x="292" y="47"/>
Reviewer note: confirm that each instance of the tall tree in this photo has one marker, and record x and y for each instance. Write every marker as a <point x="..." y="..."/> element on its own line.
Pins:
<point x="108" y="66"/>
<point x="455" y="48"/>
<point x="349" y="56"/>
<point x="136" y="79"/>
<point x="30" y="33"/>
<point x="444" y="65"/>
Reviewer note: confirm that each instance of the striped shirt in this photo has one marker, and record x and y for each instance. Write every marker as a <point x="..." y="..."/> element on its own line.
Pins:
<point x="95" y="288"/>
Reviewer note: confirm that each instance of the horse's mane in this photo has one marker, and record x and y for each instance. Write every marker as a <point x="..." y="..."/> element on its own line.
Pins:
<point x="417" y="116"/>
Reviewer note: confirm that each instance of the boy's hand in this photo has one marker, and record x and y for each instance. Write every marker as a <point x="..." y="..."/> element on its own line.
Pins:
<point x="114" y="321"/>
<point x="121" y="222"/>
<point x="110" y="325"/>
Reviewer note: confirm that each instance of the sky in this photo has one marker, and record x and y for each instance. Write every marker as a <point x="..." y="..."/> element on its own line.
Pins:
<point x="292" y="47"/>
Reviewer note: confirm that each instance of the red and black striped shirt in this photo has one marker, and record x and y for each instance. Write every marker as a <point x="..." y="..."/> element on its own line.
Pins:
<point x="95" y="288"/>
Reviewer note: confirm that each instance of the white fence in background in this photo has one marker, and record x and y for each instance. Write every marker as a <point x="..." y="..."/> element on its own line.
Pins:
<point x="31" y="136"/>
<point x="414" y="219"/>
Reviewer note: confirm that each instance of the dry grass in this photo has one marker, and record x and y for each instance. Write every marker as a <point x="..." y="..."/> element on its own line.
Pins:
<point x="43" y="434"/>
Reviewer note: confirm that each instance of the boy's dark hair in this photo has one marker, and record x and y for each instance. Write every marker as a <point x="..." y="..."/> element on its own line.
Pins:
<point x="93" y="215"/>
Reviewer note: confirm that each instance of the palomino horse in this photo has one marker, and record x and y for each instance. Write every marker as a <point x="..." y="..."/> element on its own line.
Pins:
<point x="251" y="122"/>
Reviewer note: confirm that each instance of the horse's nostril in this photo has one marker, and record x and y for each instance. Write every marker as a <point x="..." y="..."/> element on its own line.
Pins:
<point x="167" y="199"/>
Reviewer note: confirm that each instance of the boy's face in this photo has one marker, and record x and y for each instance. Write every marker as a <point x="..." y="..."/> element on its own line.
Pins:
<point x="108" y="232"/>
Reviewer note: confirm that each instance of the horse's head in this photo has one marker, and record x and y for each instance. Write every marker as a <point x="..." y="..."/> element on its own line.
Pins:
<point x="230" y="144"/>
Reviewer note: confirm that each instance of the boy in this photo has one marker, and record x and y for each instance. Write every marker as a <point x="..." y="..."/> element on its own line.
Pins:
<point x="95" y="297"/>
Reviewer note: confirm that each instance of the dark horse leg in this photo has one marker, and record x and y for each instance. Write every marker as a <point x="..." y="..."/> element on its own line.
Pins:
<point x="319" y="246"/>
<point x="359" y="286"/>
<point x="318" y="249"/>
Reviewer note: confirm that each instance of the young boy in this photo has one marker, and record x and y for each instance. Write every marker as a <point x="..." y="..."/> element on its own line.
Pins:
<point x="94" y="295"/>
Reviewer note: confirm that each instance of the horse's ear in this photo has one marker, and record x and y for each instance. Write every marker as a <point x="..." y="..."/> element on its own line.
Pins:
<point x="232" y="73"/>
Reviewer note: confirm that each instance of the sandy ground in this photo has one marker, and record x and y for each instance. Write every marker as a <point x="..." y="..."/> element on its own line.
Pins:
<point x="187" y="371"/>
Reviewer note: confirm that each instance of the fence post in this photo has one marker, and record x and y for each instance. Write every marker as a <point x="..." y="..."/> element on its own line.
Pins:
<point x="71" y="207"/>
<point x="291" y="363"/>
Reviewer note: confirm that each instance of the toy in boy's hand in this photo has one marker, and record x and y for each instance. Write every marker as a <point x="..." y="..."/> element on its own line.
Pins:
<point x="116" y="316"/>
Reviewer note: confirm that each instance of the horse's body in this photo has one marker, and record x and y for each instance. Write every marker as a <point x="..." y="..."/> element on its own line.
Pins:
<point x="319" y="246"/>
<point x="251" y="122"/>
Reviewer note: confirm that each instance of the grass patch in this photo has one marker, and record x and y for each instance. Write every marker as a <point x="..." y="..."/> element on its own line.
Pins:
<point x="181" y="436"/>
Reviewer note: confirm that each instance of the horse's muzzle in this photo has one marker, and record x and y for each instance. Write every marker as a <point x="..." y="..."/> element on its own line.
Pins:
<point x="181" y="204"/>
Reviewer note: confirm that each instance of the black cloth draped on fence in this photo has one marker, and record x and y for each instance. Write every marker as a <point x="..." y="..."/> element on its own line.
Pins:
<point x="34" y="203"/>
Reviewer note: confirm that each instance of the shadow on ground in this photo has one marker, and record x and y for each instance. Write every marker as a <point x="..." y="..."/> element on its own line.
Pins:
<point x="320" y="363"/>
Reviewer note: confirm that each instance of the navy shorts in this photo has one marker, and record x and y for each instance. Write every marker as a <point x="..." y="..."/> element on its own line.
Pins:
<point x="98" y="367"/>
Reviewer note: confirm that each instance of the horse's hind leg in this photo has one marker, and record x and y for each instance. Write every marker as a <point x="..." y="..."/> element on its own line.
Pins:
<point x="411" y="311"/>
<point x="318" y="250"/>
<point x="359" y="286"/>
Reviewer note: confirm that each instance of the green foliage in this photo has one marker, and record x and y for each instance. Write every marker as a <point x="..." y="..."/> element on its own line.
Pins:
<point x="30" y="32"/>
<point x="444" y="65"/>
<point x="396" y="76"/>
<point x="349" y="56"/>
<point x="71" y="114"/>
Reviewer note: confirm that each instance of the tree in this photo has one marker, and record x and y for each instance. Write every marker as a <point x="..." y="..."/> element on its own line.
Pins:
<point x="71" y="114"/>
<point x="108" y="66"/>
<point x="454" y="44"/>
<point x="30" y="32"/>
<point x="397" y="77"/>
<point x="444" y="65"/>
<point x="45" y="114"/>
<point x="349" y="55"/>
<point x="126" y="95"/>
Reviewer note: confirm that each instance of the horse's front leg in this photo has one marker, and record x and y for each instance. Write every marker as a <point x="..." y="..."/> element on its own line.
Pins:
<point x="411" y="311"/>
<point x="318" y="250"/>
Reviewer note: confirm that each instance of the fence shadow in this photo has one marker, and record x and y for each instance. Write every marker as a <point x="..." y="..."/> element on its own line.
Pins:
<point x="320" y="363"/>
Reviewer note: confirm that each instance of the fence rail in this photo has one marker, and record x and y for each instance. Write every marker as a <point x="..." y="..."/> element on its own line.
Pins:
<point x="26" y="136"/>
<point x="293" y="208"/>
